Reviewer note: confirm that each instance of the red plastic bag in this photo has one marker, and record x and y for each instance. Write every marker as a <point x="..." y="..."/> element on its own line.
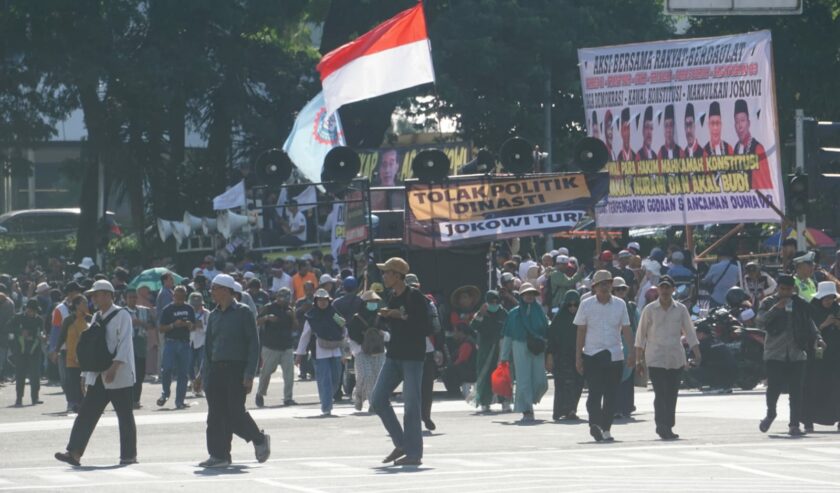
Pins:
<point x="501" y="382"/>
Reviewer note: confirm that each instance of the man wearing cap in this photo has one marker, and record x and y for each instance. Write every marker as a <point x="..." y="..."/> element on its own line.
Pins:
<point x="232" y="350"/>
<point x="601" y="321"/>
<point x="277" y="323"/>
<point x="670" y="149"/>
<point x="692" y="148"/>
<point x="786" y="318"/>
<point x="748" y="145"/>
<point x="716" y="145"/>
<point x="407" y="316"/>
<point x="646" y="152"/>
<point x="176" y="322"/>
<point x="626" y="154"/>
<point x="805" y="285"/>
<point x="114" y="385"/>
<point x="26" y="330"/>
<point x="663" y="324"/>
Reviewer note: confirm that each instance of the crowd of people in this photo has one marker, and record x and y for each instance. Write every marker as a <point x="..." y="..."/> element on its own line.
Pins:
<point x="362" y="330"/>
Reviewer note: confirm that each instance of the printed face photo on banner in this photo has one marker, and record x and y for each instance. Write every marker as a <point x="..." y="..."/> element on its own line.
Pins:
<point x="697" y="129"/>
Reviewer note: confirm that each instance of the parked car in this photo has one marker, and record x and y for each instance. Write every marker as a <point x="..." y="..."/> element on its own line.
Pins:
<point x="44" y="223"/>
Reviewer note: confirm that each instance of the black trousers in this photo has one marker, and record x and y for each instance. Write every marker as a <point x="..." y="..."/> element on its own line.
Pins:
<point x="140" y="370"/>
<point x="226" y="412"/>
<point x="28" y="366"/>
<point x="602" y="377"/>
<point x="427" y="387"/>
<point x="73" y="386"/>
<point x="666" y="387"/>
<point x="93" y="405"/>
<point x="790" y="375"/>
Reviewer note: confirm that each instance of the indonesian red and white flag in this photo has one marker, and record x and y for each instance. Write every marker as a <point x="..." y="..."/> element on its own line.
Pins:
<point x="392" y="56"/>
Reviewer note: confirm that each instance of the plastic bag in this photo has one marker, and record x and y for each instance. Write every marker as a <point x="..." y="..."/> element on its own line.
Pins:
<point x="501" y="382"/>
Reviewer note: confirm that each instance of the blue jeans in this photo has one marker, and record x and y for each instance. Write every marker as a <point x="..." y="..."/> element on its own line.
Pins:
<point x="410" y="373"/>
<point x="196" y="361"/>
<point x="176" y="356"/>
<point x="327" y="374"/>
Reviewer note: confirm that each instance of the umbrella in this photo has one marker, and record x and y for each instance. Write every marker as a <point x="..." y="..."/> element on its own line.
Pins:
<point x="151" y="278"/>
<point x="814" y="236"/>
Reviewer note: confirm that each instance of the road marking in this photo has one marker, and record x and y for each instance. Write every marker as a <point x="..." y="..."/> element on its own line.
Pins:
<point x="660" y="458"/>
<point x="466" y="462"/>
<point x="287" y="486"/>
<point x="130" y="473"/>
<point x="794" y="479"/>
<point x="62" y="478"/>
<point x="792" y="455"/>
<point x="326" y="465"/>
<point x="826" y="450"/>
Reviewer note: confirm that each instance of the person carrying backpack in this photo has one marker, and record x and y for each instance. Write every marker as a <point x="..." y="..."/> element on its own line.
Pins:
<point x="106" y="354"/>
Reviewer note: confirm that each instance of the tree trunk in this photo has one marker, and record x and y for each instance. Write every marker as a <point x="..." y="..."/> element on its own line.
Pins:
<point x="95" y="121"/>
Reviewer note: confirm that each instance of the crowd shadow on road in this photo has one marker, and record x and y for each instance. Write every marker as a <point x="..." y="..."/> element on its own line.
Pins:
<point x="232" y="470"/>
<point x="394" y="469"/>
<point x="519" y="422"/>
<point x="112" y="467"/>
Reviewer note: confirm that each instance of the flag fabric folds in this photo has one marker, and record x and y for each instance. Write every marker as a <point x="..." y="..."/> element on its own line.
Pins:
<point x="394" y="55"/>
<point x="312" y="137"/>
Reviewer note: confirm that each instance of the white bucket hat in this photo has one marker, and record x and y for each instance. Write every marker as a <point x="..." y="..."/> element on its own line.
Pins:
<point x="826" y="288"/>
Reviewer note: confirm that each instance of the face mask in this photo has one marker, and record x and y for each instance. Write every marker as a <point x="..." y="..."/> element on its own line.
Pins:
<point x="372" y="305"/>
<point x="492" y="308"/>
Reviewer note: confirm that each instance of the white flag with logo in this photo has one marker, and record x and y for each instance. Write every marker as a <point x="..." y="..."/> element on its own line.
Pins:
<point x="312" y="137"/>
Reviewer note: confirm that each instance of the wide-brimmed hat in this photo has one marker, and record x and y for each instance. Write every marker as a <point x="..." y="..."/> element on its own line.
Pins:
<point x="395" y="264"/>
<point x="472" y="291"/>
<point x="101" y="285"/>
<point x="526" y="288"/>
<point x="601" y="276"/>
<point x="826" y="288"/>
<point x="321" y="294"/>
<point x="619" y="282"/>
<point x="369" y="295"/>
<point x="86" y="263"/>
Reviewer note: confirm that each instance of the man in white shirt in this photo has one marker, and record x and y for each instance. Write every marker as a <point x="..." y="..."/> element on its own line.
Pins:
<point x="601" y="321"/>
<point x="659" y="346"/>
<point x="295" y="228"/>
<point x="279" y="278"/>
<point x="114" y="385"/>
<point x="527" y="263"/>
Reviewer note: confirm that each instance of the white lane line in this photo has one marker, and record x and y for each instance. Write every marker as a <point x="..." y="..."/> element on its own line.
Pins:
<point x="794" y="479"/>
<point x="62" y="478"/>
<point x="326" y="465"/>
<point x="794" y="455"/>
<point x="652" y="458"/>
<point x="130" y="473"/>
<point x="710" y="454"/>
<point x="825" y="450"/>
<point x="465" y="462"/>
<point x="288" y="487"/>
<point x="599" y="460"/>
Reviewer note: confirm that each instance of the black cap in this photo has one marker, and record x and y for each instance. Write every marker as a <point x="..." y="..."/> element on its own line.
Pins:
<point x="666" y="279"/>
<point x="72" y="286"/>
<point x="625" y="115"/>
<point x="649" y="114"/>
<point x="741" y="107"/>
<point x="786" y="280"/>
<point x="689" y="110"/>
<point x="669" y="112"/>
<point x="714" y="109"/>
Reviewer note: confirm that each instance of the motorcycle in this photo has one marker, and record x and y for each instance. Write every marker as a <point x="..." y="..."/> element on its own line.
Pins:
<point x="732" y="354"/>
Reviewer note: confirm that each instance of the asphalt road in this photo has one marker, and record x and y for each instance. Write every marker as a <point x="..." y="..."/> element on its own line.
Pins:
<point x="720" y="450"/>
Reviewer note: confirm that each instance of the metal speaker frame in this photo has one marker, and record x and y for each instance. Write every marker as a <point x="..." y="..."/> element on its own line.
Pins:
<point x="484" y="162"/>
<point x="273" y="167"/>
<point x="517" y="156"/>
<point x="430" y="166"/>
<point x="341" y="166"/>
<point x="591" y="154"/>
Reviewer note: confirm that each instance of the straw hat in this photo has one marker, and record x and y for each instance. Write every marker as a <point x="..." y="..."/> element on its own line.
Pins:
<point x="527" y="288"/>
<point x="472" y="291"/>
<point x="601" y="276"/>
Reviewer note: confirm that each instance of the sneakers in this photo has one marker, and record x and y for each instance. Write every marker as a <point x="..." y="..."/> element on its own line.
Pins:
<point x="68" y="458"/>
<point x="794" y="431"/>
<point x="408" y="461"/>
<point x="263" y="451"/>
<point x="214" y="462"/>
<point x="765" y="423"/>
<point x="607" y="436"/>
<point x="596" y="432"/>
<point x="260" y="400"/>
<point x="162" y="401"/>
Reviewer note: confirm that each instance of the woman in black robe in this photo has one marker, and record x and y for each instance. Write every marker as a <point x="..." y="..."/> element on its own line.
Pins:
<point x="822" y="373"/>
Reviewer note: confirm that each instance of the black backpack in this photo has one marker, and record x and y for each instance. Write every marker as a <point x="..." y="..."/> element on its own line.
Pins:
<point x="92" y="350"/>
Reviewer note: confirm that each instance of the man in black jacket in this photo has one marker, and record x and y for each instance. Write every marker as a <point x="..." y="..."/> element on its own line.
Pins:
<point x="786" y="318"/>
<point x="407" y="316"/>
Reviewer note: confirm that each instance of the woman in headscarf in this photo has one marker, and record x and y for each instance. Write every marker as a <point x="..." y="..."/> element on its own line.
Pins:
<point x="488" y="324"/>
<point x="524" y="333"/>
<point x="625" y="402"/>
<point x="367" y="339"/>
<point x="562" y="340"/>
<point x="329" y="330"/>
<point x="651" y="270"/>
<point x="822" y="371"/>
